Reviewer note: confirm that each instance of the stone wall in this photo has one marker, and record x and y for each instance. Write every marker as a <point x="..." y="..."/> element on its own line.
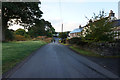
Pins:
<point x="107" y="49"/>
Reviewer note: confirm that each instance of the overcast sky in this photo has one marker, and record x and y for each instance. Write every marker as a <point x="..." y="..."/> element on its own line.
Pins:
<point x="72" y="12"/>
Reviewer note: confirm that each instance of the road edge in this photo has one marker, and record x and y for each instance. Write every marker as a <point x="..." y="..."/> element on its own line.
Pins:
<point x="117" y="76"/>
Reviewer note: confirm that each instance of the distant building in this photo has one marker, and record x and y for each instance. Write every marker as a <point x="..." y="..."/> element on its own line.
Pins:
<point x="119" y="10"/>
<point x="76" y="32"/>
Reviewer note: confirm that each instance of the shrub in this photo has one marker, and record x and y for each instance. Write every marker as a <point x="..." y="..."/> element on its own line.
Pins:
<point x="73" y="40"/>
<point x="41" y="37"/>
<point x="9" y="36"/>
<point x="19" y="38"/>
<point x="77" y="41"/>
<point x="27" y="36"/>
<point x="48" y="40"/>
<point x="20" y="32"/>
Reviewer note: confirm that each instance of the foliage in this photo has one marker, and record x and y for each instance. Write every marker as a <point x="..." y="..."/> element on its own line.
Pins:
<point x="21" y="32"/>
<point x="44" y="38"/>
<point x="9" y="34"/>
<point x="19" y="38"/>
<point x="50" y="31"/>
<point x="25" y="13"/>
<point x="27" y="36"/>
<point x="77" y="41"/>
<point x="40" y="37"/>
<point x="63" y="35"/>
<point x="99" y="29"/>
<point x="41" y="28"/>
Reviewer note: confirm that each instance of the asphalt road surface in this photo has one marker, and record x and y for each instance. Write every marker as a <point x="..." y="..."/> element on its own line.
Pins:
<point x="57" y="61"/>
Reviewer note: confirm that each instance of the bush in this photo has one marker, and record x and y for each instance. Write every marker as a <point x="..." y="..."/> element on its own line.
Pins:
<point x="20" y="31"/>
<point x="9" y="36"/>
<point x="73" y="40"/>
<point x="48" y="40"/>
<point x="44" y="38"/>
<point x="27" y="36"/>
<point x="77" y="41"/>
<point x="63" y="35"/>
<point x="19" y="38"/>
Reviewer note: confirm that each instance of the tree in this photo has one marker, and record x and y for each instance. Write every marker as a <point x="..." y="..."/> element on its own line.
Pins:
<point x="10" y="34"/>
<point x="49" y="29"/>
<point x="99" y="29"/>
<point x="63" y="35"/>
<point x="24" y="13"/>
<point x="21" y="32"/>
<point x="38" y="29"/>
<point x="41" y="28"/>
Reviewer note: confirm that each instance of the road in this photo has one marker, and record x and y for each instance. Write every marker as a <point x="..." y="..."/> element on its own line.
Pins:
<point x="58" y="61"/>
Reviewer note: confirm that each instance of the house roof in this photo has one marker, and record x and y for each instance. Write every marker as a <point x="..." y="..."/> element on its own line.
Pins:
<point x="116" y="23"/>
<point x="77" y="30"/>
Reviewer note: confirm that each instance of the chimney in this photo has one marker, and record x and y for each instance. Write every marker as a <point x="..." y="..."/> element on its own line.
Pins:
<point x="111" y="14"/>
<point x="90" y="21"/>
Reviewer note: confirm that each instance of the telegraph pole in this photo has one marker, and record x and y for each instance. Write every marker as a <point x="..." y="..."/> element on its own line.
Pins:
<point x="62" y="33"/>
<point x="62" y="28"/>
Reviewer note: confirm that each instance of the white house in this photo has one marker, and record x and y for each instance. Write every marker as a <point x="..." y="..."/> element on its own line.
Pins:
<point x="76" y="32"/>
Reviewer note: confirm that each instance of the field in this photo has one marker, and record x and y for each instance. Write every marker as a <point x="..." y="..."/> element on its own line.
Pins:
<point x="15" y="52"/>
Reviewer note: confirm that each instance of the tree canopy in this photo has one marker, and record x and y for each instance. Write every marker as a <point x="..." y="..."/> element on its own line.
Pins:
<point x="25" y="11"/>
<point x="27" y="14"/>
<point x="41" y="28"/>
<point x="20" y="32"/>
<point x="99" y="28"/>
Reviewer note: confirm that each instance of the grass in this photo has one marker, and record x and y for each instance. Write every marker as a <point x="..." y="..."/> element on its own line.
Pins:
<point x="84" y="52"/>
<point x="64" y="44"/>
<point x="15" y="52"/>
<point x="90" y="53"/>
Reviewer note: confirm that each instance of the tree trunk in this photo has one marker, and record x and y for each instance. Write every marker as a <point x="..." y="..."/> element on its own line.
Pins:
<point x="4" y="27"/>
<point x="3" y="35"/>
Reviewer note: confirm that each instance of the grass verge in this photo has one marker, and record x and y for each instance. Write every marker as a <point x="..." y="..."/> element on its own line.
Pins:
<point x="64" y="44"/>
<point x="15" y="52"/>
<point x="84" y="52"/>
<point x="90" y="53"/>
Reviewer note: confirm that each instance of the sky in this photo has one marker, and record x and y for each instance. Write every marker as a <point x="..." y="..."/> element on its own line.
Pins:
<point x="72" y="12"/>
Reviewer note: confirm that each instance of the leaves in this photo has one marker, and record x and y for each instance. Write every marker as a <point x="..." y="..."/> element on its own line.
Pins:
<point x="41" y="28"/>
<point x="25" y="14"/>
<point x="26" y="11"/>
<point x="99" y="29"/>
